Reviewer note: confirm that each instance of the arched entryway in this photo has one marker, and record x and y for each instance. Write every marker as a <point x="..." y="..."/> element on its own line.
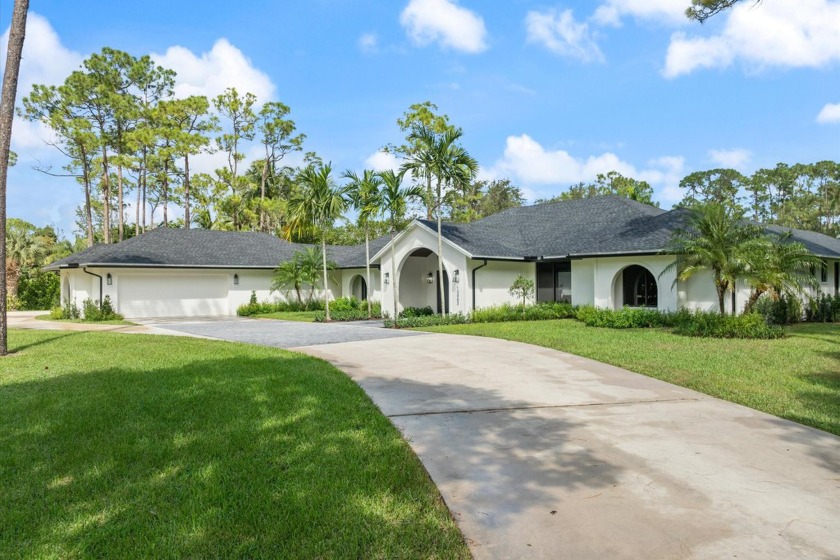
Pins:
<point x="358" y="288"/>
<point x="420" y="281"/>
<point x="635" y="286"/>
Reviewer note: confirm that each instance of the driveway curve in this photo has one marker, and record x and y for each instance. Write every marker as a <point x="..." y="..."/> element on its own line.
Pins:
<point x="542" y="454"/>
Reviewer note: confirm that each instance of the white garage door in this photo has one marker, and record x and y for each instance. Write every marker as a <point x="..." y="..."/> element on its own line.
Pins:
<point x="176" y="295"/>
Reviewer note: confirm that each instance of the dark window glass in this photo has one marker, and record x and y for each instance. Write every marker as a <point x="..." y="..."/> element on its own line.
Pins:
<point x="545" y="282"/>
<point x="639" y="287"/>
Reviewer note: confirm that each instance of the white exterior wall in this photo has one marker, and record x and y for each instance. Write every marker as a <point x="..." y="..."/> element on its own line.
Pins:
<point x="494" y="280"/>
<point x="583" y="282"/>
<point x="419" y="237"/>
<point x="605" y="271"/>
<point x="348" y="275"/>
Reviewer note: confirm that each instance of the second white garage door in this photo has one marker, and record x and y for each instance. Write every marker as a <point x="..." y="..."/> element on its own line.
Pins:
<point x="175" y="295"/>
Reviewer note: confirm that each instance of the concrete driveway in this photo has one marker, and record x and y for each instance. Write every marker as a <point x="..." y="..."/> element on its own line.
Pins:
<point x="541" y="454"/>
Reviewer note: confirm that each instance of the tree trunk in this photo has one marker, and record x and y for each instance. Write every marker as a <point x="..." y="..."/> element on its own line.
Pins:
<point x="753" y="299"/>
<point x="186" y="191"/>
<point x="367" y="266"/>
<point x="394" y="275"/>
<point x="262" y="192"/>
<point x="721" y="293"/>
<point x="143" y="179"/>
<point x="440" y="255"/>
<point x="17" y="32"/>
<point x="326" y="291"/>
<point x="166" y="193"/>
<point x="88" y="210"/>
<point x="734" y="304"/>
<point x="137" y="212"/>
<point x="106" y="195"/>
<point x="429" y="202"/>
<point x="120" y="199"/>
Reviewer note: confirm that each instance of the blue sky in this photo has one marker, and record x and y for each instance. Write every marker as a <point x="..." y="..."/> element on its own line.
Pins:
<point x="548" y="93"/>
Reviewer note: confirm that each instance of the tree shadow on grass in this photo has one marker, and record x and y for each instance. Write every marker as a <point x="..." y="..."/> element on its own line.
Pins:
<point x="242" y="457"/>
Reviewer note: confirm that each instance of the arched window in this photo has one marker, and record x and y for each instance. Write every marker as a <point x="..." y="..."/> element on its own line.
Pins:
<point x="639" y="287"/>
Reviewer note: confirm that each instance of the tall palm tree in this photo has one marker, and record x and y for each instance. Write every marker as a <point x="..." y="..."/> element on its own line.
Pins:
<point x="318" y="204"/>
<point x="365" y="196"/>
<point x="779" y="266"/>
<point x="24" y="249"/>
<point x="394" y="199"/>
<point x="716" y="240"/>
<point x="441" y="157"/>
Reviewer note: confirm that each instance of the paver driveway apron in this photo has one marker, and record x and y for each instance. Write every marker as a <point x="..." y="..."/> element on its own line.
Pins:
<point x="541" y="454"/>
<point x="279" y="334"/>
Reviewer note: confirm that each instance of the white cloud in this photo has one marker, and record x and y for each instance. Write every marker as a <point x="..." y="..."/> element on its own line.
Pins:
<point x="368" y="42"/>
<point x="561" y="34"/>
<point x="382" y="161"/>
<point x="210" y="73"/>
<point x="830" y="114"/>
<point x="666" y="11"/>
<point x="529" y="163"/>
<point x="735" y="159"/>
<point x="444" y="21"/>
<point x="780" y="33"/>
<point x="45" y="60"/>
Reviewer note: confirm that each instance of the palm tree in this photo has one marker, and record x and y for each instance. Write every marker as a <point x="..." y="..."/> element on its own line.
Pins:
<point x="318" y="205"/>
<point x="365" y="197"/>
<point x="394" y="200"/>
<point x="779" y="266"/>
<point x="24" y="249"/>
<point x="301" y="270"/>
<point x="439" y="156"/>
<point x="716" y="240"/>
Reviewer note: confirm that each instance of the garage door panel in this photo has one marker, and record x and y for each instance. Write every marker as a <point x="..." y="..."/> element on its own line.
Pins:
<point x="183" y="295"/>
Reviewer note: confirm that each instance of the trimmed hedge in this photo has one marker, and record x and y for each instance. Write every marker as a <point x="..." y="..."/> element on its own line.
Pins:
<point x="260" y="308"/>
<point x="627" y="318"/>
<point x="427" y="321"/>
<point x="350" y="309"/>
<point x="714" y="325"/>
<point x="538" y="312"/>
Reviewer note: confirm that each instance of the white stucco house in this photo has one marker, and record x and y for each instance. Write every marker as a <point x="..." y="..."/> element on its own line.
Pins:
<point x="605" y="251"/>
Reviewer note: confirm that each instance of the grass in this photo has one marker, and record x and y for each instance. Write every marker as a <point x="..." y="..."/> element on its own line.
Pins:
<point x="109" y="322"/>
<point x="797" y="377"/>
<point x="301" y="316"/>
<point x="130" y="446"/>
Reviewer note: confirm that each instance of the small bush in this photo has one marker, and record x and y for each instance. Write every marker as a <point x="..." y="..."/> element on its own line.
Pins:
<point x="714" y="325"/>
<point x="428" y="321"/>
<point x="417" y="311"/>
<point x="38" y="290"/>
<point x="627" y="318"/>
<point x="823" y="309"/>
<point x="343" y="313"/>
<point x="254" y="308"/>
<point x="347" y="304"/>
<point x="538" y="312"/>
<point x="91" y="312"/>
<point x="68" y="311"/>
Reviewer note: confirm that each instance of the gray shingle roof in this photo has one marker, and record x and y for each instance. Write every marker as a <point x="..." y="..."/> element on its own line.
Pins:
<point x="604" y="225"/>
<point x="164" y="247"/>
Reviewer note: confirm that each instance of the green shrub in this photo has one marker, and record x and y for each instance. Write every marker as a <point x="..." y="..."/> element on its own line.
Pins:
<point x="91" y="312"/>
<point x="347" y="304"/>
<point x="254" y="308"/>
<point x="713" y="325"/>
<point x="428" y="321"/>
<point x="343" y="313"/>
<point x="626" y="318"/>
<point x="823" y="309"/>
<point x="38" y="290"/>
<point x="417" y="311"/>
<point x="538" y="312"/>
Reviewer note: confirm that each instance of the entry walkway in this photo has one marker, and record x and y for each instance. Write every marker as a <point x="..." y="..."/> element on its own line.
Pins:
<point x="541" y="454"/>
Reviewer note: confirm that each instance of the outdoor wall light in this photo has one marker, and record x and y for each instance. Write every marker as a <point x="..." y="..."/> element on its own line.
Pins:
<point x="387" y="278"/>
<point x="430" y="278"/>
<point x="457" y="276"/>
<point x="108" y="279"/>
<point x="235" y="279"/>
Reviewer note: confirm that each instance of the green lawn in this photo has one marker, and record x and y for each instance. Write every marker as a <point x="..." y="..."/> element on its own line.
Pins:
<point x="797" y="377"/>
<point x="130" y="446"/>
<point x="302" y="316"/>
